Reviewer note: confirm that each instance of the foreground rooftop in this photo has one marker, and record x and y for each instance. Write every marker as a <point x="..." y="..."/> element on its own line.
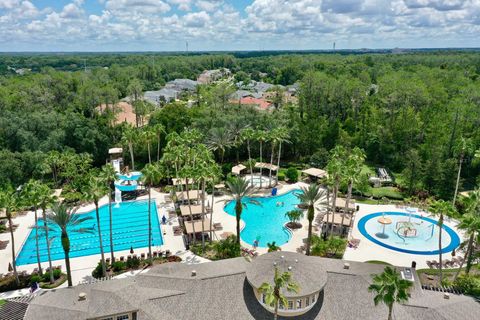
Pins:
<point x="220" y="290"/>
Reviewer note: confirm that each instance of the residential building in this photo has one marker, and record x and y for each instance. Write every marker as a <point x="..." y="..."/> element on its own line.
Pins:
<point x="123" y="112"/>
<point x="228" y="289"/>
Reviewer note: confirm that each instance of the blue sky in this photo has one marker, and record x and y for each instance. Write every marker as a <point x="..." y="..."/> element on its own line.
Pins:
<point x="165" y="25"/>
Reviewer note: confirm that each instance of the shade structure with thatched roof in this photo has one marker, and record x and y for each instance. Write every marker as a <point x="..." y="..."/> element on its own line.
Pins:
<point x="237" y="170"/>
<point x="196" y="210"/>
<point x="315" y="172"/>
<point x="192" y="194"/>
<point x="341" y="202"/>
<point x="189" y="226"/>
<point x="268" y="166"/>
<point x="337" y="219"/>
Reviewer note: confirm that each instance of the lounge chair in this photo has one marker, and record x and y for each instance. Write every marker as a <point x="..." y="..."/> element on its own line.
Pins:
<point x="458" y="260"/>
<point x="353" y="243"/>
<point x="217" y="226"/>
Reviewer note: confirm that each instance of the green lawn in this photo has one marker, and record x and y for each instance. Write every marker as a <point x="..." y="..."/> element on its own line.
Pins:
<point x="2" y="302"/>
<point x="369" y="170"/>
<point x="388" y="192"/>
<point x="378" y="262"/>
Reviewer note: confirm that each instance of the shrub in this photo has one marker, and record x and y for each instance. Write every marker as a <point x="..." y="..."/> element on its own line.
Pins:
<point x="35" y="278"/>
<point x="8" y="283"/>
<point x="56" y="274"/>
<point x="133" y="263"/>
<point x="97" y="272"/>
<point x="118" y="266"/>
<point x="292" y="174"/>
<point x="470" y="284"/>
<point x="332" y="247"/>
<point x="227" y="248"/>
<point x="281" y="176"/>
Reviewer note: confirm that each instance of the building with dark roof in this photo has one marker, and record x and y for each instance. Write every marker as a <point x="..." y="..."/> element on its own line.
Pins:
<point x="226" y="289"/>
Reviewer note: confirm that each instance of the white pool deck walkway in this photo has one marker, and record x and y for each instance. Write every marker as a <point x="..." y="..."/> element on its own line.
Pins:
<point x="83" y="266"/>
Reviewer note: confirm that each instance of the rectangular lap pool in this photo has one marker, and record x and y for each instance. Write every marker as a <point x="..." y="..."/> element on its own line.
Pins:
<point x="130" y="229"/>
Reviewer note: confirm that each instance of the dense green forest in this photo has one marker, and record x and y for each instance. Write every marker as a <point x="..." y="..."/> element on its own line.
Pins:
<point x="417" y="114"/>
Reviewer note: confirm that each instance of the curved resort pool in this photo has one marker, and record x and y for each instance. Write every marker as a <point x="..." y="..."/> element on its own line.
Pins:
<point x="265" y="222"/>
<point x="130" y="229"/>
<point x="417" y="236"/>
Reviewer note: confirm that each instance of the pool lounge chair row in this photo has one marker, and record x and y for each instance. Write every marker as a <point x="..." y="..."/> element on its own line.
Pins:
<point x="456" y="261"/>
<point x="144" y="256"/>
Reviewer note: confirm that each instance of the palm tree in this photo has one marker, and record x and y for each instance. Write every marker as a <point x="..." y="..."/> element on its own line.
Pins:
<point x="248" y="134"/>
<point x="148" y="135"/>
<point x="272" y="246"/>
<point x="151" y="175"/>
<point x="470" y="223"/>
<point x="389" y="288"/>
<point x="462" y="149"/>
<point x="272" y="138"/>
<point x="219" y="139"/>
<point x="440" y="208"/>
<point x="261" y="137"/>
<point x="353" y="168"/>
<point x="282" y="134"/>
<point x="235" y="130"/>
<point x="52" y="164"/>
<point x="95" y="190"/>
<point x="273" y="294"/>
<point x="335" y="169"/>
<point x="158" y="129"/>
<point x="294" y="216"/>
<point x="30" y="193"/>
<point x="108" y="175"/>
<point x="9" y="202"/>
<point x="308" y="198"/>
<point x="129" y="138"/>
<point x="45" y="199"/>
<point x="67" y="221"/>
<point x="237" y="190"/>
<point x="135" y="90"/>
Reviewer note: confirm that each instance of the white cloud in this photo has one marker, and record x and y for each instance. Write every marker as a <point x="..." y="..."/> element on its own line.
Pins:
<point x="9" y="4"/>
<point x="196" y="19"/>
<point x="184" y="5"/>
<point x="219" y="24"/>
<point x="71" y="11"/>
<point x="125" y="7"/>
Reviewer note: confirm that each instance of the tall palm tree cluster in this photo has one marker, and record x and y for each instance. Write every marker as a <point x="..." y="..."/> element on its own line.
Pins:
<point x="344" y="167"/>
<point x="149" y="135"/>
<point x="237" y="135"/>
<point x="186" y="158"/>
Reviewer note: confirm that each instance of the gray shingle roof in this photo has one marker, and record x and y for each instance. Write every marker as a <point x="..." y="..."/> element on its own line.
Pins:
<point x="310" y="275"/>
<point x="220" y="291"/>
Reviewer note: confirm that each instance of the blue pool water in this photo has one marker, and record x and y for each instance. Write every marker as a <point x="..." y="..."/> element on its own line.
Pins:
<point x="265" y="222"/>
<point x="130" y="229"/>
<point x="424" y="240"/>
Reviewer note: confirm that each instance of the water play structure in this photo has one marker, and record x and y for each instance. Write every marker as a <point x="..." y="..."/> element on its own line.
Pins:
<point x="407" y="232"/>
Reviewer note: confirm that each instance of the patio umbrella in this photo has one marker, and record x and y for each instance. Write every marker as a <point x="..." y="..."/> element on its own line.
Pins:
<point x="131" y="250"/>
<point x="10" y="268"/>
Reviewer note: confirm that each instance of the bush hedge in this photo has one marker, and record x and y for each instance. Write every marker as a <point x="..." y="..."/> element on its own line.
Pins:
<point x="292" y="174"/>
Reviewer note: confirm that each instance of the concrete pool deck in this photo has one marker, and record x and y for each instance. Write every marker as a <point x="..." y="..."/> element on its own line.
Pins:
<point x="83" y="266"/>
